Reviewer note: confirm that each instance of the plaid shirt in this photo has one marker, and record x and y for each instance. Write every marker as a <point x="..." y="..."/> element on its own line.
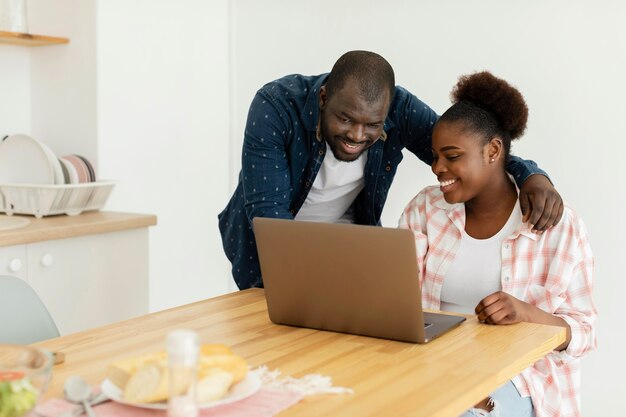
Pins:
<point x="553" y="272"/>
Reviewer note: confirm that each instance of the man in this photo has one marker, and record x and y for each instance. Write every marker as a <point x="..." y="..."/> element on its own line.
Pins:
<point x="326" y="148"/>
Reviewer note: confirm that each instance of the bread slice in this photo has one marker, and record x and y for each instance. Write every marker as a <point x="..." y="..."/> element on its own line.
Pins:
<point x="148" y="384"/>
<point x="214" y="385"/>
<point x="120" y="372"/>
<point x="144" y="379"/>
<point x="215" y="349"/>
<point x="233" y="364"/>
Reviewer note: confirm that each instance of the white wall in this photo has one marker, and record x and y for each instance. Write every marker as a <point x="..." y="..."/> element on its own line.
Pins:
<point x="63" y="77"/>
<point x="15" y="88"/>
<point x="163" y="111"/>
<point x="141" y="90"/>
<point x="49" y="92"/>
<point x="567" y="57"/>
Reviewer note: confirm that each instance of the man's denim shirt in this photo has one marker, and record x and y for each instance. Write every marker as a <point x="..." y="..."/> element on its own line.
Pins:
<point x="281" y="157"/>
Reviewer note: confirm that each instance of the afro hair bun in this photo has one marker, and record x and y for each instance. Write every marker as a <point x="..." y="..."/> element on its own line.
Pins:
<point x="495" y="95"/>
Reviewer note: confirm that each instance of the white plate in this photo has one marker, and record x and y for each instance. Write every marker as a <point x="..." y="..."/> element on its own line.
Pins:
<point x="250" y="384"/>
<point x="71" y="170"/>
<point x="59" y="179"/>
<point x="23" y="160"/>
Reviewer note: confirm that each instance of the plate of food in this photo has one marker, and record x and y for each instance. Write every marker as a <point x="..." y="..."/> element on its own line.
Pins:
<point x="142" y="381"/>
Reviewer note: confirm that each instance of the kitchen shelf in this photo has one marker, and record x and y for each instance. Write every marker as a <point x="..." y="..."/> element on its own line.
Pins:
<point x="27" y="39"/>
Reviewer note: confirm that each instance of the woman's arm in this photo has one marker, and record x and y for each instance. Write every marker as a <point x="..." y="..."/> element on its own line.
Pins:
<point x="503" y="308"/>
<point x="564" y="299"/>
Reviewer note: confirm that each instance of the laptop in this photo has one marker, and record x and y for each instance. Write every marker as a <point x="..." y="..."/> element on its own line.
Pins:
<point x="345" y="278"/>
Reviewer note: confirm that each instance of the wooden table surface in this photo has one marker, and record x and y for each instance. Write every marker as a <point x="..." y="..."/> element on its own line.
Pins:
<point x="441" y="378"/>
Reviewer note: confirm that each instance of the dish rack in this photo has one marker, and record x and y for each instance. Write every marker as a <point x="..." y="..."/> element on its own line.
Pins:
<point x="47" y="200"/>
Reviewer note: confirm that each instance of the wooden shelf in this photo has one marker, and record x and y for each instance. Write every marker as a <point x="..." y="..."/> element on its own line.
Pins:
<point x="26" y="39"/>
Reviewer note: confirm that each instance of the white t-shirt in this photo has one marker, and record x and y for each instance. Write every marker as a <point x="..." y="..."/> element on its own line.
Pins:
<point x="335" y="187"/>
<point x="476" y="270"/>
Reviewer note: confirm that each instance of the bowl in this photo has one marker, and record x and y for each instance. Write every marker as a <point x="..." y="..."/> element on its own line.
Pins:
<point x="24" y="375"/>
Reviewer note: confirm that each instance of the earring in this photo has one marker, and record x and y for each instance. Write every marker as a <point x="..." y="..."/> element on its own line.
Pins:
<point x="493" y="160"/>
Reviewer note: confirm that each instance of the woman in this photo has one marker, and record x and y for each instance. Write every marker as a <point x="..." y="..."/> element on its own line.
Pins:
<point x="477" y="256"/>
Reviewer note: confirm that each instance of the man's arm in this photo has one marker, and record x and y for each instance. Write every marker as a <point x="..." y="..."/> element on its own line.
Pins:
<point x="541" y="204"/>
<point x="415" y="122"/>
<point x="265" y="168"/>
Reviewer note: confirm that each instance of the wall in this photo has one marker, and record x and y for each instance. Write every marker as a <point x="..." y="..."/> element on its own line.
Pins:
<point x="142" y="91"/>
<point x="63" y="77"/>
<point x="163" y="111"/>
<point x="49" y="92"/>
<point x="567" y="57"/>
<point x="15" y="87"/>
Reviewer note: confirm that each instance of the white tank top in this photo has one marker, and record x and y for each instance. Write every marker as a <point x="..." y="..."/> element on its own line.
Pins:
<point x="336" y="186"/>
<point x="476" y="270"/>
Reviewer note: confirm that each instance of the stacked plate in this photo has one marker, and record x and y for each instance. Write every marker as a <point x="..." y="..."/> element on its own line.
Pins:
<point x="34" y="181"/>
<point x="77" y="169"/>
<point x="24" y="160"/>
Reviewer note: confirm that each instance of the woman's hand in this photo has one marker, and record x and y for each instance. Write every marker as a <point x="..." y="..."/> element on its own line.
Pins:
<point x="541" y="204"/>
<point x="502" y="308"/>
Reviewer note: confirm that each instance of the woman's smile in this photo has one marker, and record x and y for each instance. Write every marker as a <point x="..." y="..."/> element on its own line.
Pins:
<point x="447" y="185"/>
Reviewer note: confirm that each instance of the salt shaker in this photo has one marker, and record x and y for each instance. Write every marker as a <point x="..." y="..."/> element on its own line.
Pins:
<point x="182" y="358"/>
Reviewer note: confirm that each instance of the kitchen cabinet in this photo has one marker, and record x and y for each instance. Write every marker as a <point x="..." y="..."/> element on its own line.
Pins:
<point x="88" y="280"/>
<point x="13" y="261"/>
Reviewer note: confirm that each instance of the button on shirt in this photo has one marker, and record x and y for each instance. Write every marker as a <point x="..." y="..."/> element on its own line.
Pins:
<point x="281" y="157"/>
<point x="552" y="271"/>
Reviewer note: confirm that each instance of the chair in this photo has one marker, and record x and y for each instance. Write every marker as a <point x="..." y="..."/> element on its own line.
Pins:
<point x="24" y="318"/>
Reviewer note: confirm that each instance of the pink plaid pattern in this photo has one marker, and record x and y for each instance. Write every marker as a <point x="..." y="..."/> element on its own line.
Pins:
<point x="553" y="271"/>
<point x="267" y="402"/>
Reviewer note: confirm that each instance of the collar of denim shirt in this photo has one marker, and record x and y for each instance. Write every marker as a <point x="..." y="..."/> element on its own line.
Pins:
<point x="311" y="108"/>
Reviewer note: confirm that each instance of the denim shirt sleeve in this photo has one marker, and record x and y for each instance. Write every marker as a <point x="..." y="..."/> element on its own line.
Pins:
<point x="415" y="122"/>
<point x="521" y="169"/>
<point x="265" y="167"/>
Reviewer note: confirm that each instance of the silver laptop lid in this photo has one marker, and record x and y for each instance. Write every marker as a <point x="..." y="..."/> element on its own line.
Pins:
<point x="341" y="277"/>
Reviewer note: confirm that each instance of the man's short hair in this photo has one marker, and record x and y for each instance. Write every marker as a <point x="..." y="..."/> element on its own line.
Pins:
<point x="371" y="71"/>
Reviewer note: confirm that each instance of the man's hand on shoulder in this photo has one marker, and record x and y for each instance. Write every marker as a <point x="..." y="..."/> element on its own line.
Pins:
<point x="541" y="204"/>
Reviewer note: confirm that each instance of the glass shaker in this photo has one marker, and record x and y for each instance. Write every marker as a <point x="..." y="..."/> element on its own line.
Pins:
<point x="182" y="358"/>
<point x="13" y="17"/>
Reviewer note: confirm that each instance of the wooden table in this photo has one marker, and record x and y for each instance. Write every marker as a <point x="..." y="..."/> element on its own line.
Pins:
<point x="442" y="378"/>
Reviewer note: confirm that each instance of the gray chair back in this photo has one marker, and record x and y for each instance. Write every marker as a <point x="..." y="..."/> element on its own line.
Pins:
<point x="24" y="318"/>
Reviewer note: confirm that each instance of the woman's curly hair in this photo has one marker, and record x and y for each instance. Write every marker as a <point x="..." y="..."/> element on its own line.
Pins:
<point x="489" y="106"/>
<point x="497" y="96"/>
